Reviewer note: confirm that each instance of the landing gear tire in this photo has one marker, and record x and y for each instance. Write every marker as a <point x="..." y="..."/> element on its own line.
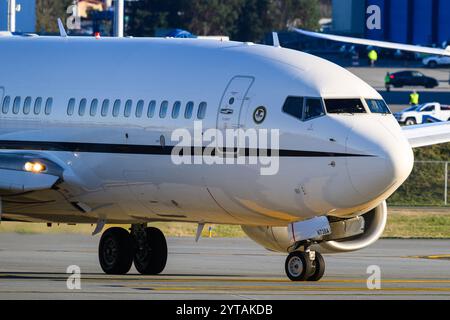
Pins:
<point x="298" y="266"/>
<point x="150" y="257"/>
<point x="115" y="251"/>
<point x="319" y="268"/>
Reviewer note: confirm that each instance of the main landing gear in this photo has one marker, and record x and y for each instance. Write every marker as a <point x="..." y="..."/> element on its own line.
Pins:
<point x="305" y="266"/>
<point x="146" y="247"/>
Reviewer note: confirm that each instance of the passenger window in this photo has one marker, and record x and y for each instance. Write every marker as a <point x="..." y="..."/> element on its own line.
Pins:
<point x="338" y="106"/>
<point x="128" y="107"/>
<point x="201" y="111"/>
<point x="82" y="108"/>
<point x="27" y="105"/>
<point x="189" y="110"/>
<point x="176" y="110"/>
<point x="105" y="107"/>
<point x="313" y="108"/>
<point x="163" y="109"/>
<point x="71" y="107"/>
<point x="151" y="109"/>
<point x="5" y="106"/>
<point x="139" y="108"/>
<point x="116" y="108"/>
<point x="48" y="106"/>
<point x="294" y="107"/>
<point x="16" y="105"/>
<point x="37" y="106"/>
<point x="94" y="107"/>
<point x="378" y="106"/>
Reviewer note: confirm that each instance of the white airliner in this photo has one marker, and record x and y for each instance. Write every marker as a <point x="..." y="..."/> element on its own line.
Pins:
<point x="86" y="137"/>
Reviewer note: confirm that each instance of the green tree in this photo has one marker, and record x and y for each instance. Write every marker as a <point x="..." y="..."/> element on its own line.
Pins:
<point x="254" y="20"/>
<point x="145" y="16"/>
<point x="47" y="13"/>
<point x="212" y="17"/>
<point x="244" y="20"/>
<point x="296" y="13"/>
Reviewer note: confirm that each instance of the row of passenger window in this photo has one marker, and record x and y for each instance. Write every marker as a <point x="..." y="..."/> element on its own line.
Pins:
<point x="138" y="110"/>
<point x="27" y="106"/>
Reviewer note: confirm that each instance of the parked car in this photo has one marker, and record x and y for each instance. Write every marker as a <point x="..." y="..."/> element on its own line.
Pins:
<point x="436" y="61"/>
<point x="411" y="78"/>
<point x="428" y="112"/>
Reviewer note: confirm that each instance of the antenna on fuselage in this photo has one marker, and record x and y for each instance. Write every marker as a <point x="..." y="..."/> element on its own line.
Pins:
<point x="276" y="40"/>
<point x="62" y="31"/>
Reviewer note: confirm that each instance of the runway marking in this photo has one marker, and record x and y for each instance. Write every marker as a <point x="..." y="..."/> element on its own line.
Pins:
<point x="231" y="279"/>
<point x="434" y="257"/>
<point x="182" y="294"/>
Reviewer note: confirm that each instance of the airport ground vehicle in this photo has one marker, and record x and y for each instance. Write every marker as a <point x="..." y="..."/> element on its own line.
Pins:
<point x="412" y="78"/>
<point x="436" y="61"/>
<point x="428" y="112"/>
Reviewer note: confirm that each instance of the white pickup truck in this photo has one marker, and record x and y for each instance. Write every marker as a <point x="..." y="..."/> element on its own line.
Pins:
<point x="424" y="113"/>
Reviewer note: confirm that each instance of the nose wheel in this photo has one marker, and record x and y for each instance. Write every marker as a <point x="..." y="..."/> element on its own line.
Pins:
<point x="305" y="266"/>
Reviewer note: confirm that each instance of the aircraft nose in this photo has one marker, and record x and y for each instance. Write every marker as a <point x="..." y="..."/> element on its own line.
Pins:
<point x="387" y="163"/>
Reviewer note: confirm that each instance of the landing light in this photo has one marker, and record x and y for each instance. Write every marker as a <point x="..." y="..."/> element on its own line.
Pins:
<point x="35" y="167"/>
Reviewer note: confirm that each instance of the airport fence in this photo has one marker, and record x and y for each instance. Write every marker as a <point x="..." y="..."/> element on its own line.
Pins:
<point x="428" y="185"/>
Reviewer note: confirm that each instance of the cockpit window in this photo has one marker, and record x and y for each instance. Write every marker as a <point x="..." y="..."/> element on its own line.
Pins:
<point x="378" y="106"/>
<point x="313" y="108"/>
<point x="350" y="106"/>
<point x="294" y="107"/>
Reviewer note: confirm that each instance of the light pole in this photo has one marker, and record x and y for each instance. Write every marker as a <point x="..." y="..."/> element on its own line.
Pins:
<point x="12" y="15"/>
<point x="119" y="12"/>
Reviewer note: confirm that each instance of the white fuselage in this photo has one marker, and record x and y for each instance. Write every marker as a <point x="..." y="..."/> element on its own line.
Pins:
<point x="119" y="167"/>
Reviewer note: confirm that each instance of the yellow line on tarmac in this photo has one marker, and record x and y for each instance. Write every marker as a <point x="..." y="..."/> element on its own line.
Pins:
<point x="282" y="281"/>
<point x="298" y="289"/>
<point x="433" y="257"/>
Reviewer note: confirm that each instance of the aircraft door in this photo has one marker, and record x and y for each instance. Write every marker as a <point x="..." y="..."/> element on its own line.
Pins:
<point x="230" y="110"/>
<point x="2" y="93"/>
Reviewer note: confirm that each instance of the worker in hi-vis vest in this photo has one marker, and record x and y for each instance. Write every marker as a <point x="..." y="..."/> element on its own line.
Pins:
<point x="373" y="57"/>
<point x="414" y="98"/>
<point x="387" y="81"/>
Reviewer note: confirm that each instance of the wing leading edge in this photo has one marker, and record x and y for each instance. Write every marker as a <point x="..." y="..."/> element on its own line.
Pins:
<point x="376" y="43"/>
<point x="427" y="134"/>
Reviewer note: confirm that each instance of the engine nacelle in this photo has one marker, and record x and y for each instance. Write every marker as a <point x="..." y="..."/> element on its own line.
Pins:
<point x="342" y="238"/>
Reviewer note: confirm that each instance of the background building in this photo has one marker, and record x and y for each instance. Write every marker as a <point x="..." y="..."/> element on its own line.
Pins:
<point x="25" y="18"/>
<point x="423" y="22"/>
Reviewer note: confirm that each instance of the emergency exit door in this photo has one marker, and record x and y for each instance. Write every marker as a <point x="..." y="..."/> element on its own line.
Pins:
<point x="230" y="110"/>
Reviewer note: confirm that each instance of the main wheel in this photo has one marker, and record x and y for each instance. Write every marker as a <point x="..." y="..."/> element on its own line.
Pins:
<point x="115" y="251"/>
<point x="298" y="266"/>
<point x="318" y="267"/>
<point x="151" y="256"/>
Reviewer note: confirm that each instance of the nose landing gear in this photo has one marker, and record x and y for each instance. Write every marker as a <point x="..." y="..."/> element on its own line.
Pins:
<point x="146" y="247"/>
<point x="305" y="266"/>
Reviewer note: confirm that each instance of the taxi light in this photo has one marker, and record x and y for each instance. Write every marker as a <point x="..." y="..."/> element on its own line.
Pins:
<point x="35" y="167"/>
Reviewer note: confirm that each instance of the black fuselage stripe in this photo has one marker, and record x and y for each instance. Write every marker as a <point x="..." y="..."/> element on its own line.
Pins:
<point x="154" y="150"/>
